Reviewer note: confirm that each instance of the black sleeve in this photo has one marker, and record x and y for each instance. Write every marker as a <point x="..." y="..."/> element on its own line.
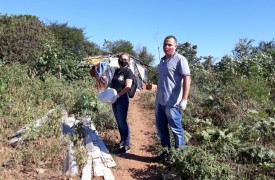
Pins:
<point x="129" y="74"/>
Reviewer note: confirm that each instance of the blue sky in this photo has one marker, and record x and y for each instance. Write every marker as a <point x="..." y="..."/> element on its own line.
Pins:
<point x="215" y="26"/>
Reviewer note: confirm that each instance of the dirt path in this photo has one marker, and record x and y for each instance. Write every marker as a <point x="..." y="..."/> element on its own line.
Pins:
<point x="137" y="164"/>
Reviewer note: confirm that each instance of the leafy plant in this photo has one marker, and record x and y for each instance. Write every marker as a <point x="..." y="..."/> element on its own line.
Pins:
<point x="256" y="154"/>
<point x="221" y="142"/>
<point x="194" y="163"/>
<point x="20" y="39"/>
<point x="257" y="128"/>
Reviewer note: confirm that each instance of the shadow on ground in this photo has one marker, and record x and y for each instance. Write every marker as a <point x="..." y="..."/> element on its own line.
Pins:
<point x="151" y="172"/>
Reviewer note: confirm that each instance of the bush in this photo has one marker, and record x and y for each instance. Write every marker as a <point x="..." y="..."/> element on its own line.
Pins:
<point x="194" y="163"/>
<point x="20" y="38"/>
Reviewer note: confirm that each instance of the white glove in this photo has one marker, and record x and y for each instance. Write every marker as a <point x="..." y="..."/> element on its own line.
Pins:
<point x="182" y="104"/>
<point x="113" y="100"/>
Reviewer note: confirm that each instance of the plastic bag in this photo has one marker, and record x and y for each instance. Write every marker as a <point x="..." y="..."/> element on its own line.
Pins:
<point x="107" y="95"/>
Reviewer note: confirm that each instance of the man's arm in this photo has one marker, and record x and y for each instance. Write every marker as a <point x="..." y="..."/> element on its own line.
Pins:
<point x="185" y="92"/>
<point x="186" y="87"/>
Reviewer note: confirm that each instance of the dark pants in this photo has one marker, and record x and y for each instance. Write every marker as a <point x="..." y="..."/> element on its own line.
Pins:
<point x="120" y="109"/>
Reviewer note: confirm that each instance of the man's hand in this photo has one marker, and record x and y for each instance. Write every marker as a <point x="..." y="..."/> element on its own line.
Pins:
<point x="113" y="100"/>
<point x="182" y="104"/>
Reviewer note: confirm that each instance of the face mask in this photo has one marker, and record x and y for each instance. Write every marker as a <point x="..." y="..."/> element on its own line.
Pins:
<point x="123" y="63"/>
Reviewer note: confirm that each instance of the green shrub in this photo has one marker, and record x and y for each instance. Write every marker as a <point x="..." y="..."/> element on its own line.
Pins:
<point x="20" y="38"/>
<point x="256" y="155"/>
<point x="194" y="163"/>
<point x="256" y="128"/>
<point x="220" y="142"/>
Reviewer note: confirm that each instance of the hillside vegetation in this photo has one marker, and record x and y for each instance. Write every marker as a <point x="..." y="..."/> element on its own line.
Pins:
<point x="229" y="123"/>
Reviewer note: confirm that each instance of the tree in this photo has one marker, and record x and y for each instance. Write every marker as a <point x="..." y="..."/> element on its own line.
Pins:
<point x="208" y="62"/>
<point x="153" y="75"/>
<point x="243" y="48"/>
<point x="21" y="38"/>
<point x="144" y="56"/>
<point x="74" y="39"/>
<point x="189" y="51"/>
<point x="267" y="47"/>
<point x="263" y="46"/>
<point x="118" y="46"/>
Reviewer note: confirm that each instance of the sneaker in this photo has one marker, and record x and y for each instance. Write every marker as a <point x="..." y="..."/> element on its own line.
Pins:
<point x="119" y="145"/>
<point x="124" y="149"/>
<point x="161" y="157"/>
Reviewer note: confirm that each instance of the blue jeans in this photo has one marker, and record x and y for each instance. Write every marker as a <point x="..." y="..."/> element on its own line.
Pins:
<point x="120" y="109"/>
<point x="169" y="116"/>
